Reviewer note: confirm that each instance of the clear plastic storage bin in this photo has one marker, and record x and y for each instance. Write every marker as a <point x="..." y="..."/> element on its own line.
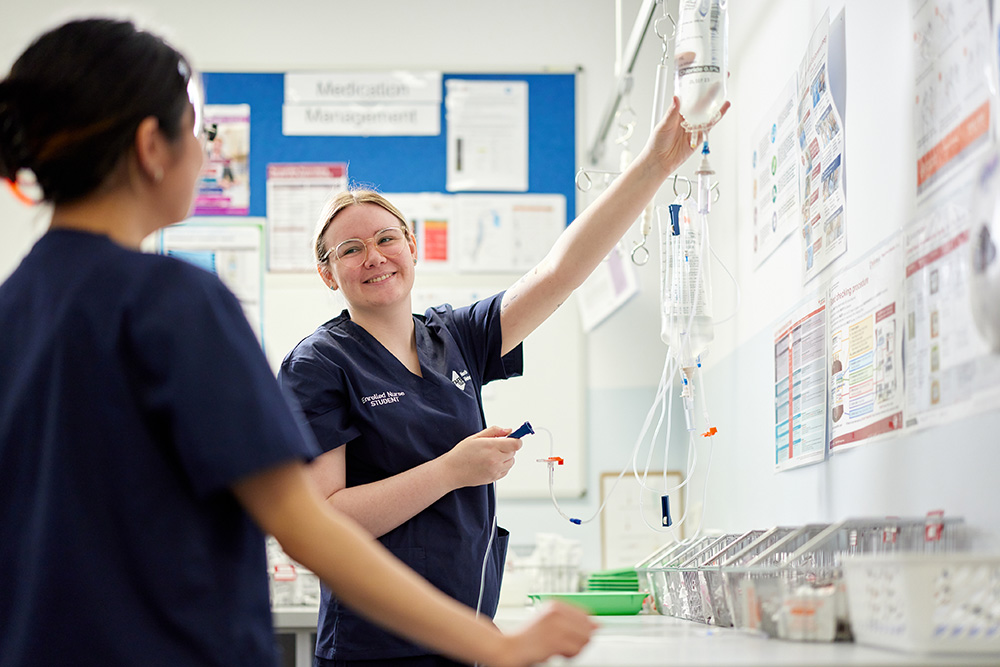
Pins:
<point x="926" y="603"/>
<point x="795" y="589"/>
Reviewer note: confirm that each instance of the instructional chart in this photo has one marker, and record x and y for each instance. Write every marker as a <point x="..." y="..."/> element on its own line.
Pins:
<point x="951" y="116"/>
<point x="950" y="372"/>
<point x="777" y="208"/>
<point x="821" y="144"/>
<point x="866" y="348"/>
<point x="800" y="381"/>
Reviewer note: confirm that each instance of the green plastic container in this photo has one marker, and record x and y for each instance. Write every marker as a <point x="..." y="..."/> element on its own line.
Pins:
<point x="598" y="603"/>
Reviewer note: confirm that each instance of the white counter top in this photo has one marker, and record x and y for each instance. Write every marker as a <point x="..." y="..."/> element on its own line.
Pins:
<point x="651" y="639"/>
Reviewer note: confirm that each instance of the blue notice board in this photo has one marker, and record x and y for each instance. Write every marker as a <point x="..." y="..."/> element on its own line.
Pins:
<point x="403" y="164"/>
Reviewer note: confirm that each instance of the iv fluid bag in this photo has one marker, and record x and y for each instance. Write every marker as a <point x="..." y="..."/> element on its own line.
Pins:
<point x="685" y="285"/>
<point x="701" y="59"/>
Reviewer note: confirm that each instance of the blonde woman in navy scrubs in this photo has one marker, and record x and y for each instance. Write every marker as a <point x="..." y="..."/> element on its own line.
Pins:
<point x="145" y="446"/>
<point x="394" y="398"/>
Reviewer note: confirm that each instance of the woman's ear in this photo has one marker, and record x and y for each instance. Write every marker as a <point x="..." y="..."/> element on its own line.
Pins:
<point x="151" y="149"/>
<point x="412" y="242"/>
<point x="327" y="276"/>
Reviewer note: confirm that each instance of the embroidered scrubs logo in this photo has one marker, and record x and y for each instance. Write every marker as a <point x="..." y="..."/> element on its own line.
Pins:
<point x="382" y="398"/>
<point x="459" y="378"/>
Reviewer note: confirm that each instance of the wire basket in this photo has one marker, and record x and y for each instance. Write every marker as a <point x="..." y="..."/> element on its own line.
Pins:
<point x="687" y="585"/>
<point x="655" y="571"/>
<point x="926" y="603"/>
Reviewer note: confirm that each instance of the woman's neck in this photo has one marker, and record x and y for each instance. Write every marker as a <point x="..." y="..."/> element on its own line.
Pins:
<point x="391" y="326"/>
<point x="108" y="215"/>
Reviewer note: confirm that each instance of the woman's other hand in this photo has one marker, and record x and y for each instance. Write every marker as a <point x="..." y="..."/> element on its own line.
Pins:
<point x="481" y="458"/>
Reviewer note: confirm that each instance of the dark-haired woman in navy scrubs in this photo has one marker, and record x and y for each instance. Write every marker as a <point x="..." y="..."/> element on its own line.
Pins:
<point x="145" y="446"/>
<point x="394" y="398"/>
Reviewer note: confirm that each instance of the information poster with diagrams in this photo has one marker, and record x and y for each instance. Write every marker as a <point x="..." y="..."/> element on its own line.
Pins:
<point x="821" y="148"/>
<point x="506" y="233"/>
<point x="224" y="182"/>
<point x="431" y="216"/>
<point x="950" y="372"/>
<point x="296" y="194"/>
<point x="487" y="135"/>
<point x="866" y="348"/>
<point x="777" y="210"/>
<point x="951" y="116"/>
<point x="232" y="249"/>
<point x="800" y="382"/>
<point x="607" y="289"/>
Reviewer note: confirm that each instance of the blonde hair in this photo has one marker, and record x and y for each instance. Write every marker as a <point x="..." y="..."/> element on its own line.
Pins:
<point x="342" y="200"/>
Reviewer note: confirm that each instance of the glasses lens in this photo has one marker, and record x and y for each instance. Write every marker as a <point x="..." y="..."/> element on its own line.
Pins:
<point x="351" y="252"/>
<point x="389" y="242"/>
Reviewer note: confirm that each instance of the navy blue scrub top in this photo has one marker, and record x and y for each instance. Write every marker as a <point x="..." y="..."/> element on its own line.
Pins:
<point x="353" y="391"/>
<point x="133" y="394"/>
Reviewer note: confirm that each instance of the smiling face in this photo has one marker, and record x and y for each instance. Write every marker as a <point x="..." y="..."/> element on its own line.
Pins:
<point x="379" y="281"/>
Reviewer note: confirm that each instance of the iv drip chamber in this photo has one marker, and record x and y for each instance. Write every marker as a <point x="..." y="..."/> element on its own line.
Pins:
<point x="701" y="58"/>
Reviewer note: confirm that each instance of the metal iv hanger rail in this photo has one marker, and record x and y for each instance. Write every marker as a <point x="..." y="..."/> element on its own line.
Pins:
<point x="639" y="28"/>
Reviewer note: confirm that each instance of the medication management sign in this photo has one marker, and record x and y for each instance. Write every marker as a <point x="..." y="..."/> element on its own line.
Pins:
<point x="362" y="104"/>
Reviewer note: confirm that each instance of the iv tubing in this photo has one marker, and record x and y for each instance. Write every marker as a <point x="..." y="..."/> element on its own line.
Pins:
<point x="486" y="556"/>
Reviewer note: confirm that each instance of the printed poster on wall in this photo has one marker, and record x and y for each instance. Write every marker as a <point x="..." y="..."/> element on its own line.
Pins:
<point x="607" y="289"/>
<point x="821" y="149"/>
<point x="431" y="216"/>
<point x="951" y="115"/>
<point x="232" y="249"/>
<point x="950" y="373"/>
<point x="866" y="348"/>
<point x="224" y="182"/>
<point x="296" y="194"/>
<point x="506" y="233"/>
<point x="800" y="381"/>
<point x="487" y="135"/>
<point x="775" y="161"/>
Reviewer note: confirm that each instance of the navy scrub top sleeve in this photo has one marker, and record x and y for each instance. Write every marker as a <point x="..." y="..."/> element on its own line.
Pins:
<point x="319" y="392"/>
<point x="205" y="379"/>
<point x="482" y="319"/>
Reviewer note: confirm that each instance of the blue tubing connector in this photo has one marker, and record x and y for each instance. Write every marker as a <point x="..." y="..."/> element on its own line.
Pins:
<point x="523" y="430"/>
<point x="576" y="521"/>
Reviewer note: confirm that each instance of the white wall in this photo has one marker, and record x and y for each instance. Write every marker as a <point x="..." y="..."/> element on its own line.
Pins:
<point x="905" y="476"/>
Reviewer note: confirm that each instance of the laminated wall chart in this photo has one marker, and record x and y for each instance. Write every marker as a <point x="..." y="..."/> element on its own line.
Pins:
<point x="866" y="348"/>
<point x="903" y="349"/>
<point x="798" y="162"/>
<point x="800" y="386"/>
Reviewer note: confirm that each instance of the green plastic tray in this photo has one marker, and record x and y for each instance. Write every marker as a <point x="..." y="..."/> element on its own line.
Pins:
<point x="599" y="603"/>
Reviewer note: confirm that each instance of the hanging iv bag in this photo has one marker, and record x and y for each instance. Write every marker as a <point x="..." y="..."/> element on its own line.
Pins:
<point x="701" y="60"/>
<point x="685" y="283"/>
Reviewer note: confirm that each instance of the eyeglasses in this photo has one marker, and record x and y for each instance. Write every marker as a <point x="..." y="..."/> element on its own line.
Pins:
<point x="354" y="252"/>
